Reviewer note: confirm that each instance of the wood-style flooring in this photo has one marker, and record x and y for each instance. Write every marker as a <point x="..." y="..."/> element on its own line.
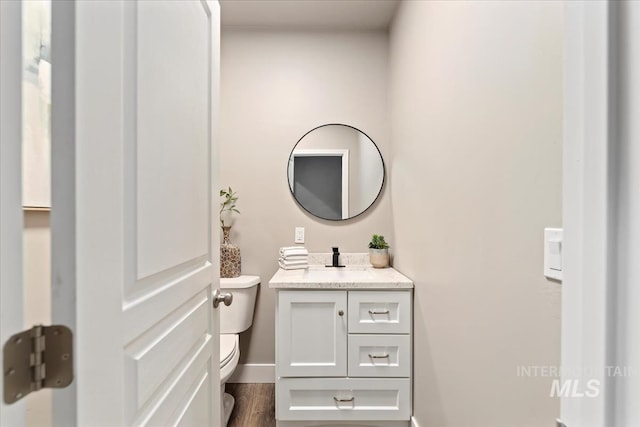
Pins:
<point x="255" y="405"/>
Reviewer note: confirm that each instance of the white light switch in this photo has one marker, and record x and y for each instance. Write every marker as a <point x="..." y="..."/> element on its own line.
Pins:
<point x="299" y="235"/>
<point x="553" y="253"/>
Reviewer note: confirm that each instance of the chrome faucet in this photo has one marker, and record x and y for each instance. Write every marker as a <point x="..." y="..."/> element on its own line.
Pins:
<point x="336" y="258"/>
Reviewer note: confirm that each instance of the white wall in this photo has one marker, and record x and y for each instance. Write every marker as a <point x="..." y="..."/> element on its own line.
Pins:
<point x="277" y="85"/>
<point x="476" y="96"/>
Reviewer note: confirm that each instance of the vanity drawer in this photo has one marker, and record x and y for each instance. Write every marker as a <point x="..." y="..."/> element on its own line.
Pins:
<point x="343" y="399"/>
<point x="379" y="356"/>
<point x="380" y="312"/>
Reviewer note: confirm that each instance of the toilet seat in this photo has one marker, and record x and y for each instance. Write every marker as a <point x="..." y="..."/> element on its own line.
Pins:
<point x="229" y="355"/>
<point x="228" y="348"/>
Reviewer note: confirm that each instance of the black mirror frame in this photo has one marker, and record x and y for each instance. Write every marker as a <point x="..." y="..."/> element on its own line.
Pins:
<point x="382" y="185"/>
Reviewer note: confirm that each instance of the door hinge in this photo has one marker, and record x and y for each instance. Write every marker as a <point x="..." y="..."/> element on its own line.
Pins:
<point x="40" y="357"/>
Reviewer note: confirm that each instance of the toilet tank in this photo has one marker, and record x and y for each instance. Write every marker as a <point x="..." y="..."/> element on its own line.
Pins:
<point x="238" y="316"/>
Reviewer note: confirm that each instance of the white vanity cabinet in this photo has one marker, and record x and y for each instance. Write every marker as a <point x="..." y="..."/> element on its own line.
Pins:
<point x="343" y="357"/>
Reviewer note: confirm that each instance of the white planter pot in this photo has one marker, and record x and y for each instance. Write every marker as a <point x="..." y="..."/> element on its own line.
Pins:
<point x="228" y="218"/>
<point x="379" y="258"/>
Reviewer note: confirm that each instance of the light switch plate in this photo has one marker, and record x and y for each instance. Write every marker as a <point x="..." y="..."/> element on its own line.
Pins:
<point x="299" y="238"/>
<point x="553" y="253"/>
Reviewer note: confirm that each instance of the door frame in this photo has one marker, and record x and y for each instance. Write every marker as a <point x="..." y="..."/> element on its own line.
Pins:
<point x="63" y="215"/>
<point x="11" y="214"/>
<point x="597" y="313"/>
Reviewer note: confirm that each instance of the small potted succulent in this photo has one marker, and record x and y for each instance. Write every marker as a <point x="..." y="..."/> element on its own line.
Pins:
<point x="378" y="252"/>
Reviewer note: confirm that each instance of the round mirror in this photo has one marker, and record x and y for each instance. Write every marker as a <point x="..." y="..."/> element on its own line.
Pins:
<point x="335" y="172"/>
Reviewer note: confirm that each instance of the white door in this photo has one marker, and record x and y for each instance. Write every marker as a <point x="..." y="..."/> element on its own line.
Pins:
<point x="11" y="223"/>
<point x="134" y="240"/>
<point x="312" y="334"/>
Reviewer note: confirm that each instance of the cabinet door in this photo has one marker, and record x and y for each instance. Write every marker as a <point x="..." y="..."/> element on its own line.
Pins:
<point x="312" y="334"/>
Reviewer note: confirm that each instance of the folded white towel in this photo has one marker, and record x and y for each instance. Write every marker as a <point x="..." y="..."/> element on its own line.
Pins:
<point x="285" y="248"/>
<point x="294" y="257"/>
<point x="293" y="262"/>
<point x="293" y="250"/>
<point x="293" y="267"/>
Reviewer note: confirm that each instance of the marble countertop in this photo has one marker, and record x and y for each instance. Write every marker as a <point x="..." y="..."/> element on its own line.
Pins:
<point x="353" y="276"/>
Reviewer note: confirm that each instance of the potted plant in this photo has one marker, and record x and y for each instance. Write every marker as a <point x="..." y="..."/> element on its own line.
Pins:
<point x="378" y="252"/>
<point x="230" y="263"/>
<point x="227" y="207"/>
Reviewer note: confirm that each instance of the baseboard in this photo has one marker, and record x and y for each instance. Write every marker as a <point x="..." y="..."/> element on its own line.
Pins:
<point x="414" y="423"/>
<point x="342" y="423"/>
<point x="254" y="373"/>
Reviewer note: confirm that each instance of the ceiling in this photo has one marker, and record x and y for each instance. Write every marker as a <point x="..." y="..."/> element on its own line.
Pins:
<point x="309" y="14"/>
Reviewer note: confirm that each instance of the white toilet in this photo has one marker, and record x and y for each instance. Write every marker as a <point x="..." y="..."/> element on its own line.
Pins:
<point x="234" y="319"/>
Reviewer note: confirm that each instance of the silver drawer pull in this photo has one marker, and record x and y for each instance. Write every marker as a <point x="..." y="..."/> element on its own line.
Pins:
<point x="378" y="312"/>
<point x="379" y="356"/>
<point x="343" y="400"/>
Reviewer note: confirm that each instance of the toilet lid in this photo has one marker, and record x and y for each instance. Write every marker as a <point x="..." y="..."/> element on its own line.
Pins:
<point x="228" y="347"/>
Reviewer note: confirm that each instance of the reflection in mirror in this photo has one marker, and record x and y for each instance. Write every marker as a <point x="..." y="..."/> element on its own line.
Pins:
<point x="335" y="172"/>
